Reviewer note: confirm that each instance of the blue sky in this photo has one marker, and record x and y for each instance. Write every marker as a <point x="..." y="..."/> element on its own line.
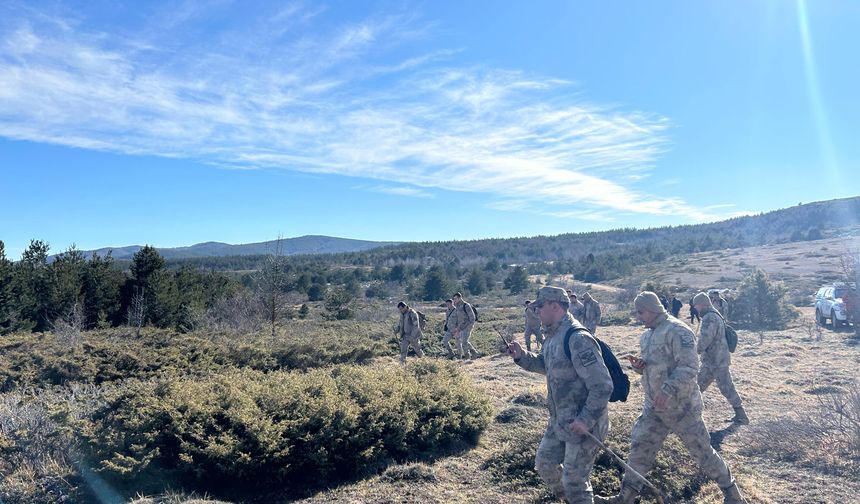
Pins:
<point x="174" y="123"/>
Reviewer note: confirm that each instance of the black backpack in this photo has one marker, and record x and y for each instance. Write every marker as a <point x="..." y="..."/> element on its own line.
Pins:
<point x="731" y="334"/>
<point x="620" y="381"/>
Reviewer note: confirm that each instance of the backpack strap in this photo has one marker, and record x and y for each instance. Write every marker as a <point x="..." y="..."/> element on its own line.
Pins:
<point x="570" y="332"/>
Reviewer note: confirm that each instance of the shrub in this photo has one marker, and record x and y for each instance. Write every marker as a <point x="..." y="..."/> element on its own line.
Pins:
<point x="762" y="303"/>
<point x="42" y="359"/>
<point x="34" y="463"/>
<point x="246" y="429"/>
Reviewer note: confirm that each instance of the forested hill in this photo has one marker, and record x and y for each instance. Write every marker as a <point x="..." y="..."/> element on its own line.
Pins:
<point x="599" y="255"/>
<point x="310" y="244"/>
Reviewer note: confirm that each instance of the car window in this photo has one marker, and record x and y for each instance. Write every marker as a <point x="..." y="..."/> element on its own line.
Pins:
<point x="828" y="292"/>
<point x="839" y="292"/>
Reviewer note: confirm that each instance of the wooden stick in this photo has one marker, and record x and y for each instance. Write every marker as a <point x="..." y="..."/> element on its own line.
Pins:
<point x="626" y="466"/>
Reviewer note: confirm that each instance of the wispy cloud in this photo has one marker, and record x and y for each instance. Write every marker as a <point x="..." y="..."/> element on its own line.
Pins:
<point x="411" y="192"/>
<point x="283" y="92"/>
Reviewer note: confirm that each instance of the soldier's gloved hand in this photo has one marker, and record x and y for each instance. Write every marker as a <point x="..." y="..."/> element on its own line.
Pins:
<point x="515" y="350"/>
<point x="578" y="427"/>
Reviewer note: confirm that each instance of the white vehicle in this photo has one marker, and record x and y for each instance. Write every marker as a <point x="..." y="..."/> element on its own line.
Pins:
<point x="830" y="305"/>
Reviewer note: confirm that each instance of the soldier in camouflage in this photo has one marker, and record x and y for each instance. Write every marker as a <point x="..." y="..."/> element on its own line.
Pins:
<point x="720" y="303"/>
<point x="669" y="366"/>
<point x="409" y="330"/>
<point x="591" y="313"/>
<point x="578" y="393"/>
<point x="577" y="309"/>
<point x="465" y="320"/>
<point x="450" y="322"/>
<point x="532" y="326"/>
<point x="715" y="355"/>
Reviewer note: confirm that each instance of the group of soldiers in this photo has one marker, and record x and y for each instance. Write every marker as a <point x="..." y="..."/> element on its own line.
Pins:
<point x="579" y="386"/>
<point x="587" y="312"/>
<point x="460" y="318"/>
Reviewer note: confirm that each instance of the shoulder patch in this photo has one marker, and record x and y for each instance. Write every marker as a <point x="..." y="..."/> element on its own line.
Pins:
<point x="587" y="357"/>
<point x="687" y="341"/>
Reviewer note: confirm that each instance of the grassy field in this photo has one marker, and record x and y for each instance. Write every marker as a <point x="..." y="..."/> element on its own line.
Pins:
<point x="781" y="376"/>
<point x="215" y="399"/>
<point x="803" y="266"/>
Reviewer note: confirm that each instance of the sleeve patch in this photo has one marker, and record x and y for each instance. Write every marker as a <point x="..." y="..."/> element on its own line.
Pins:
<point x="587" y="357"/>
<point x="687" y="341"/>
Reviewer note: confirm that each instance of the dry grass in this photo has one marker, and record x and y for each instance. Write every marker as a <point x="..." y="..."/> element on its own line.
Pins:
<point x="803" y="266"/>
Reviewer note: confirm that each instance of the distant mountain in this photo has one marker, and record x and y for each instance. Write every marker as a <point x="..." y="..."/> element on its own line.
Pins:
<point x="310" y="244"/>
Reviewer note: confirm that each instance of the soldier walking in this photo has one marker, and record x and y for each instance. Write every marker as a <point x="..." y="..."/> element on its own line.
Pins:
<point x="465" y="320"/>
<point x="591" y="313"/>
<point x="669" y="366"/>
<point x="532" y="326"/>
<point x="715" y="355"/>
<point x="450" y="322"/>
<point x="578" y="387"/>
<point x="577" y="309"/>
<point x="409" y="330"/>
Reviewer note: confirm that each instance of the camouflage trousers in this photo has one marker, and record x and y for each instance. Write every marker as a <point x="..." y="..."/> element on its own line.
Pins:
<point x="404" y="347"/>
<point x="565" y="466"/>
<point x="446" y="342"/>
<point x="650" y="431"/>
<point x="465" y="346"/>
<point x="723" y="377"/>
<point x="537" y="334"/>
<point x="591" y="326"/>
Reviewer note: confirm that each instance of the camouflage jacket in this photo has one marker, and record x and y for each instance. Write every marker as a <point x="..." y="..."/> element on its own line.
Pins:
<point x="450" y="319"/>
<point x="712" y="346"/>
<point x="671" y="363"/>
<point x="408" y="326"/>
<point x="464" y="316"/>
<point x="578" y="388"/>
<point x="577" y="309"/>
<point x="591" y="313"/>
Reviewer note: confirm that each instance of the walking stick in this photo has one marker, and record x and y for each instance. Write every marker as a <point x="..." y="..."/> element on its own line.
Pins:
<point x="626" y="466"/>
<point x="504" y="340"/>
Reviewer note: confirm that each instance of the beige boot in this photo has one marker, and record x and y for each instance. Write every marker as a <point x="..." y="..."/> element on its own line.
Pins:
<point x="740" y="417"/>
<point x="732" y="495"/>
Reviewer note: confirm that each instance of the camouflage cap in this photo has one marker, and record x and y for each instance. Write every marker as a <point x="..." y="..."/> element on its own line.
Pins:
<point x="548" y="294"/>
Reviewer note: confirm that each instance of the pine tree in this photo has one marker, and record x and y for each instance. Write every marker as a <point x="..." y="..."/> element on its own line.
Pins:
<point x="761" y="303"/>
<point x="435" y="285"/>
<point x="517" y="280"/>
<point x="34" y="288"/>
<point x="101" y="292"/>
<point x="6" y="303"/>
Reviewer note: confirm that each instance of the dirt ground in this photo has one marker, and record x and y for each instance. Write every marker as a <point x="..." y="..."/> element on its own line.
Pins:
<point x="779" y="374"/>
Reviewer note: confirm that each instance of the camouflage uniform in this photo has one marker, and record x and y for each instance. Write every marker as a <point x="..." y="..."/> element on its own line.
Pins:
<point x="410" y="333"/>
<point x="716" y="357"/>
<point x="591" y="314"/>
<point x="578" y="388"/>
<point x="465" y="320"/>
<point x="577" y="309"/>
<point x="532" y="328"/>
<point x="671" y="366"/>
<point x="450" y="322"/>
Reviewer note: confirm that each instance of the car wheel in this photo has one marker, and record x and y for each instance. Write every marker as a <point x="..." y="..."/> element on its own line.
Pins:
<point x="833" y="321"/>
